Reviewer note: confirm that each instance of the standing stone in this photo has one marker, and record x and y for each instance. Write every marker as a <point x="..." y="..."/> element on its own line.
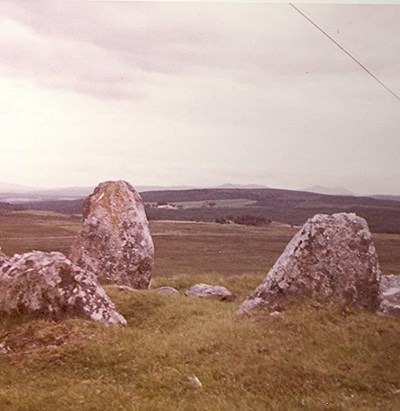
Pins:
<point x="332" y="256"/>
<point x="115" y="241"/>
<point x="50" y="285"/>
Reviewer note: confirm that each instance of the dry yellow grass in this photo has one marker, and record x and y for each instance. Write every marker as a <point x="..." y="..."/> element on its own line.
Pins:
<point x="313" y="357"/>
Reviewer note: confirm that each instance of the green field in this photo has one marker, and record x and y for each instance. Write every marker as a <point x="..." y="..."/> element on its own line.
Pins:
<point x="313" y="357"/>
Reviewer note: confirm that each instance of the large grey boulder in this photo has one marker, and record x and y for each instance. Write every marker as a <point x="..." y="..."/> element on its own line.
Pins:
<point x="332" y="256"/>
<point x="390" y="295"/>
<point x="115" y="241"/>
<point x="209" y="291"/>
<point x="50" y="285"/>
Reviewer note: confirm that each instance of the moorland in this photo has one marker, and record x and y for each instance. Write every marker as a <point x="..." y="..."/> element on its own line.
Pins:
<point x="208" y="205"/>
<point x="179" y="353"/>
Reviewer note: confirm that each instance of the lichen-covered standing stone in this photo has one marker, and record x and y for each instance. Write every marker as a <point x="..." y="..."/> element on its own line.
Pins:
<point x="115" y="241"/>
<point x="332" y="256"/>
<point x="50" y="285"/>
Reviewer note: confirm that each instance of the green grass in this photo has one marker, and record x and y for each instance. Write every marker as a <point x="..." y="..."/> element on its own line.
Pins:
<point x="317" y="357"/>
<point x="312" y="357"/>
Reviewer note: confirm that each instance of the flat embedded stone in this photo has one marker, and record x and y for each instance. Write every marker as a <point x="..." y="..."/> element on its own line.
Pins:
<point x="167" y="290"/>
<point x="209" y="291"/>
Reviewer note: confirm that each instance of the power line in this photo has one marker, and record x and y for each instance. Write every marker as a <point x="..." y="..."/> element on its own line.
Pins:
<point x="345" y="51"/>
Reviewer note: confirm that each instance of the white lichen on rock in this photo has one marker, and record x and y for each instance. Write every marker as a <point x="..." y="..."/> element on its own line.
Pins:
<point x="390" y="295"/>
<point x="332" y="256"/>
<point x="50" y="285"/>
<point x="115" y="241"/>
<point x="3" y="257"/>
<point x="209" y="291"/>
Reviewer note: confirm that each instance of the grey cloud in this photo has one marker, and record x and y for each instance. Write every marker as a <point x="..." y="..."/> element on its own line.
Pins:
<point x="66" y="64"/>
<point x="112" y="49"/>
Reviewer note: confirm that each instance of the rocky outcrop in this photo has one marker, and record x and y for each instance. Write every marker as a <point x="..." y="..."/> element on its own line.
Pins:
<point x="332" y="256"/>
<point x="390" y="295"/>
<point x="50" y="285"/>
<point x="115" y="241"/>
<point x="209" y="291"/>
<point x="167" y="290"/>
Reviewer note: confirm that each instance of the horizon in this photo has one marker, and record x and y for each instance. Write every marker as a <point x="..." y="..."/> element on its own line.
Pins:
<point x="185" y="94"/>
<point x="21" y="190"/>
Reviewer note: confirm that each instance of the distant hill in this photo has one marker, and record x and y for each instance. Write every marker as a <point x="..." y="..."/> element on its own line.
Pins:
<point x="20" y="194"/>
<point x="229" y="185"/>
<point x="85" y="191"/>
<point x="14" y="194"/>
<point x="286" y="206"/>
<point x="329" y="190"/>
<point x="62" y="206"/>
<point x="386" y="197"/>
<point x="8" y="206"/>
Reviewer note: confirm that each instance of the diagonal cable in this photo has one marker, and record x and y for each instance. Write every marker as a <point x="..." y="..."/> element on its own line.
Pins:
<point x="348" y="53"/>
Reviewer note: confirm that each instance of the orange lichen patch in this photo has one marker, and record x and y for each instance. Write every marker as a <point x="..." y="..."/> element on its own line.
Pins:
<point x="110" y="199"/>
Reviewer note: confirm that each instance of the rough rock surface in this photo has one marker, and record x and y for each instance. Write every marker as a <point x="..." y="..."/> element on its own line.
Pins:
<point x="390" y="295"/>
<point x="3" y="258"/>
<point x="166" y="290"/>
<point x="332" y="256"/>
<point x="51" y="285"/>
<point x="213" y="291"/>
<point x="115" y="241"/>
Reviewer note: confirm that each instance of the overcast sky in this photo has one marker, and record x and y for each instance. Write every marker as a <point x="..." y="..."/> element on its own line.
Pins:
<point x="198" y="94"/>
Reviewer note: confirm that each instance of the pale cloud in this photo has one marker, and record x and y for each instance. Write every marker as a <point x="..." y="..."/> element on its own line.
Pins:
<point x="65" y="63"/>
<point x="109" y="48"/>
<point x="198" y="94"/>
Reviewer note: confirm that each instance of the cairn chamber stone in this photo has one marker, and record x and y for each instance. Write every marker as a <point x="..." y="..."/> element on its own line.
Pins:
<point x="115" y="241"/>
<point x="332" y="256"/>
